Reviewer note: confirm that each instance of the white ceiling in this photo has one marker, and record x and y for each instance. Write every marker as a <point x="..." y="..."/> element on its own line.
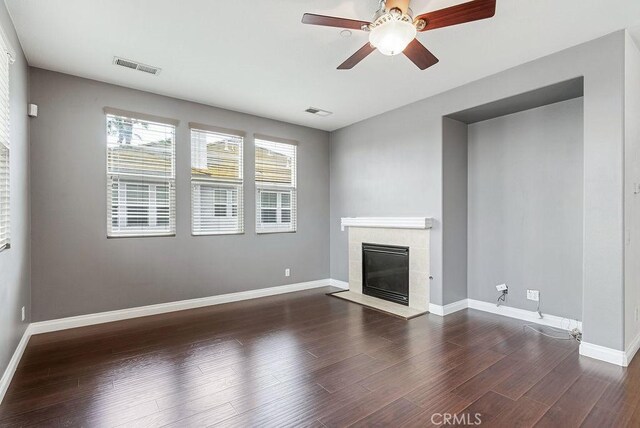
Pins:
<point x="256" y="57"/>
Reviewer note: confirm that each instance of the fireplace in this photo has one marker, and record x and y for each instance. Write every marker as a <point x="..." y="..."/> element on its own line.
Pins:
<point x="385" y="272"/>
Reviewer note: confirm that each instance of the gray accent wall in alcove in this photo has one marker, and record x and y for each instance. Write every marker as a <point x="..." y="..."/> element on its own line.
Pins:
<point x="525" y="208"/>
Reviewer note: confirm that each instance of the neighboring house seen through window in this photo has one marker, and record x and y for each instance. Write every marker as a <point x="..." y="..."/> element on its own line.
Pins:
<point x="276" y="193"/>
<point x="140" y="175"/>
<point x="216" y="180"/>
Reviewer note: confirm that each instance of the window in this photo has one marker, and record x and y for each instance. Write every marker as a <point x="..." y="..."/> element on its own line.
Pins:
<point x="5" y="60"/>
<point x="216" y="180"/>
<point x="140" y="175"/>
<point x="275" y="185"/>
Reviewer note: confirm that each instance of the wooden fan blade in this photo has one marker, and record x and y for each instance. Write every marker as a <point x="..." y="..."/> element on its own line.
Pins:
<point x="354" y="59"/>
<point x="459" y="14"/>
<point x="330" y="21"/>
<point x="420" y="55"/>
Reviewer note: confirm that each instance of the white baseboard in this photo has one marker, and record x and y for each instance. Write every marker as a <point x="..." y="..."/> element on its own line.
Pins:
<point x="601" y="353"/>
<point x="13" y="363"/>
<point x="448" y="309"/>
<point x="522" y="314"/>
<point x="339" y="284"/>
<point x="143" y="311"/>
<point x="507" y="311"/>
<point x="632" y="349"/>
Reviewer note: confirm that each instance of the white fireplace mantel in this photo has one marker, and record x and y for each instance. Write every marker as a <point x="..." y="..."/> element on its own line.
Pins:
<point x="387" y="222"/>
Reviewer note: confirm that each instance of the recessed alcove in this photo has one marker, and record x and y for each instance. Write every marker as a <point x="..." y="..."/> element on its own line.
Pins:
<point x="513" y="178"/>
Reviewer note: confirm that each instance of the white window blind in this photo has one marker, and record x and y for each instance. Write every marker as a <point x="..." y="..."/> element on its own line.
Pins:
<point x="276" y="193"/>
<point x="216" y="181"/>
<point x="4" y="145"/>
<point x="140" y="176"/>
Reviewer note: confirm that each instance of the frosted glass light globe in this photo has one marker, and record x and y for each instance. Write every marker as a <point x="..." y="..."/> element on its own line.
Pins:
<point x="392" y="37"/>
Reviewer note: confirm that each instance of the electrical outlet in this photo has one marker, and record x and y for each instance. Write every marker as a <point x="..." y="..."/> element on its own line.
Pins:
<point x="287" y="272"/>
<point x="24" y="314"/>
<point x="533" y="295"/>
<point x="501" y="287"/>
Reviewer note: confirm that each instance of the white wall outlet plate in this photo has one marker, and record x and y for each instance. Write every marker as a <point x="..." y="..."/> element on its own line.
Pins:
<point x="287" y="272"/>
<point x="32" y="110"/>
<point x="501" y="287"/>
<point x="24" y="314"/>
<point x="533" y="295"/>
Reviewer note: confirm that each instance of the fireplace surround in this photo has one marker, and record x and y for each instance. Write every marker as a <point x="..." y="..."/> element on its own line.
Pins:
<point x="412" y="233"/>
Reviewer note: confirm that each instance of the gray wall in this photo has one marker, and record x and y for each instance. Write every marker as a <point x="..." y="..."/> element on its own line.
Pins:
<point x="525" y="208"/>
<point x="454" y="209"/>
<point x="77" y="270"/>
<point x="631" y="199"/>
<point x="392" y="165"/>
<point x="14" y="262"/>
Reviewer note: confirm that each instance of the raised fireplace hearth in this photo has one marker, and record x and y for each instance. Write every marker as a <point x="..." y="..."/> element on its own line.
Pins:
<point x="385" y="272"/>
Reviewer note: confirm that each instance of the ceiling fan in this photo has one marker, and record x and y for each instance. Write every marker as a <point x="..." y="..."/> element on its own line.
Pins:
<point x="393" y="29"/>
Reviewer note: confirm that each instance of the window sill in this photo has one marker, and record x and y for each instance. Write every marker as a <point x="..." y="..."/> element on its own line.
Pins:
<point x="155" y="235"/>
<point x="268" y="232"/>
<point x="217" y="234"/>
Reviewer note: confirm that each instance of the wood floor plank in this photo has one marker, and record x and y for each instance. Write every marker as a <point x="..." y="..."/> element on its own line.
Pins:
<point x="622" y="416"/>
<point x="481" y="383"/>
<point x="439" y="405"/>
<point x="522" y="380"/>
<point x="523" y="413"/>
<point x="306" y="359"/>
<point x="483" y="410"/>
<point x="573" y="407"/>
<point x="206" y="418"/>
<point x="397" y="413"/>
<point x="554" y="384"/>
<point x="453" y="378"/>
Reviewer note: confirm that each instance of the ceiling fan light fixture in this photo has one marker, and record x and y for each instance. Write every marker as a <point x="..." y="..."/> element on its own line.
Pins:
<point x="392" y="32"/>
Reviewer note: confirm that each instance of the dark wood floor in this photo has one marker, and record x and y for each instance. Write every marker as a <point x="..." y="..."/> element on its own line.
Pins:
<point x="306" y="359"/>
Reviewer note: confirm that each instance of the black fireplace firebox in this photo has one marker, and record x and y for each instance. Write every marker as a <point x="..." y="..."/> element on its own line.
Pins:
<point x="385" y="272"/>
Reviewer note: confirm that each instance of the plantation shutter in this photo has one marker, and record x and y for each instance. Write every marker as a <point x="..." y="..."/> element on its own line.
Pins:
<point x="141" y="195"/>
<point x="5" y="60"/>
<point x="276" y="192"/>
<point x="216" y="180"/>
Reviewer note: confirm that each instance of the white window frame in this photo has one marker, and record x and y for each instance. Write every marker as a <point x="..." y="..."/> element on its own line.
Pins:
<point x="228" y="185"/>
<point x="153" y="206"/>
<point x="279" y="188"/>
<point x="121" y="180"/>
<point x="278" y="225"/>
<point x="5" y="198"/>
<point x="6" y="59"/>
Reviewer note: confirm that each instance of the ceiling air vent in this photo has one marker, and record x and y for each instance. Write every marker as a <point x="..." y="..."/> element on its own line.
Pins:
<point x="318" y="111"/>
<point x="136" y="65"/>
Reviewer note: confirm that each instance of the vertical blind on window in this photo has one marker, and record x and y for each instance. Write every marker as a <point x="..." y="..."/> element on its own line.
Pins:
<point x="276" y="191"/>
<point x="216" y="180"/>
<point x="140" y="175"/>
<point x="4" y="145"/>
